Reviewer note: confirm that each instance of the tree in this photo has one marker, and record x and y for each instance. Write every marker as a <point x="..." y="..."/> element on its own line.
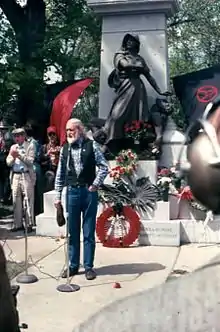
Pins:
<point x="73" y="42"/>
<point x="29" y="24"/>
<point x="194" y="36"/>
<point x="194" y="40"/>
<point x="41" y="35"/>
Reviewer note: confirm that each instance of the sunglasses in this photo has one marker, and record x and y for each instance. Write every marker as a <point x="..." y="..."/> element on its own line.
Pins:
<point x="51" y="134"/>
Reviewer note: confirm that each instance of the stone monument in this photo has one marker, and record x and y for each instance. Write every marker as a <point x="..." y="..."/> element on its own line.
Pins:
<point x="148" y="20"/>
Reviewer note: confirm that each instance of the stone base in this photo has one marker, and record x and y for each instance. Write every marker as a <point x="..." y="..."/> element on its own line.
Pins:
<point x="160" y="233"/>
<point x="195" y="231"/>
<point x="47" y="226"/>
<point x="46" y="222"/>
<point x="156" y="228"/>
<point x="161" y="212"/>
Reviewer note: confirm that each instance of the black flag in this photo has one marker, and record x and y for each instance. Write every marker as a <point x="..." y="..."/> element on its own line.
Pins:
<point x="195" y="90"/>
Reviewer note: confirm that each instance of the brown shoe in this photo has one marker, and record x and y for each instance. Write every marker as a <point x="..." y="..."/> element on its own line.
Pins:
<point x="29" y="229"/>
<point x="72" y="272"/>
<point x="90" y="274"/>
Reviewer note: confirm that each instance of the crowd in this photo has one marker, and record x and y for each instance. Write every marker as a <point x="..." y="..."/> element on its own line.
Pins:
<point x="27" y="168"/>
<point x="33" y="168"/>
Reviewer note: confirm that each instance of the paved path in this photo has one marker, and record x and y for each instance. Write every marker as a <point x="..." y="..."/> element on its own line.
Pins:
<point x="42" y="307"/>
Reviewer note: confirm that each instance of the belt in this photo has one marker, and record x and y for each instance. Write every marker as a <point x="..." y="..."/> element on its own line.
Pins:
<point x="21" y="172"/>
<point x="79" y="185"/>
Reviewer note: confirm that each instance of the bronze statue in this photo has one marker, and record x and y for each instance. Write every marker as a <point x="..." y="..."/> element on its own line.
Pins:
<point x="158" y="118"/>
<point x="203" y="153"/>
<point x="131" y="101"/>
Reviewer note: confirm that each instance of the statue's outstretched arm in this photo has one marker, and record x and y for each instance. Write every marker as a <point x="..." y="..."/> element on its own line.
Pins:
<point x="152" y="81"/>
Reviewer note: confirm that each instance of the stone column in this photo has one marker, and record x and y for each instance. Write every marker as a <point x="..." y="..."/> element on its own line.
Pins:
<point x="148" y="19"/>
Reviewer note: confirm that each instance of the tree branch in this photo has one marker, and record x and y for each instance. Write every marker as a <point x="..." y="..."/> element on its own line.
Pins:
<point x="189" y="20"/>
<point x="14" y="13"/>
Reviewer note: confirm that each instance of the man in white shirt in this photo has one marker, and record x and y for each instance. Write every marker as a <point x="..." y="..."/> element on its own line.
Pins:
<point x="22" y="177"/>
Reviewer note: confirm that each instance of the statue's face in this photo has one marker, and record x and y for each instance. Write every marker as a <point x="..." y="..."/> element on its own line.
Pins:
<point x="131" y="44"/>
<point x="167" y="106"/>
<point x="164" y="104"/>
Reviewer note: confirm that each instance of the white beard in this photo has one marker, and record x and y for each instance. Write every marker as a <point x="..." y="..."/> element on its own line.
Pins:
<point x="71" y="140"/>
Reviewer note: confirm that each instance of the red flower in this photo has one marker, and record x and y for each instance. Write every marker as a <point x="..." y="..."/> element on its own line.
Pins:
<point x="121" y="171"/>
<point x="164" y="172"/>
<point x="186" y="193"/>
<point x="127" y="128"/>
<point x="119" y="159"/>
<point x="137" y="125"/>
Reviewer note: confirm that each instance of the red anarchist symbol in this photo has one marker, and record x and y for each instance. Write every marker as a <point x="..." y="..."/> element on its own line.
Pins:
<point x="206" y="93"/>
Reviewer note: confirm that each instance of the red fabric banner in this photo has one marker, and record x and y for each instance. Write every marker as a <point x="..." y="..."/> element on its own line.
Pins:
<point x="63" y="106"/>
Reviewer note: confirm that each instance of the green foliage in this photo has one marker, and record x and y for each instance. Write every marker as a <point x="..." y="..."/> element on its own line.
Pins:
<point x="71" y="46"/>
<point x="73" y="39"/>
<point x="194" y="40"/>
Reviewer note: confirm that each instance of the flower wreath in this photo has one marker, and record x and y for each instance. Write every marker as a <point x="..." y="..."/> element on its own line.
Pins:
<point x="103" y="228"/>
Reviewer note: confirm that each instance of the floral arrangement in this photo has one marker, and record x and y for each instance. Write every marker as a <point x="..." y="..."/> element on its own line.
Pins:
<point x="168" y="180"/>
<point x="126" y="189"/>
<point x="127" y="162"/>
<point x="186" y="193"/>
<point x="138" y="130"/>
<point x="169" y="183"/>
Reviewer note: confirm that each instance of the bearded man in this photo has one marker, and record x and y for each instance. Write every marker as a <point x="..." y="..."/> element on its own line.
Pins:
<point x="77" y="165"/>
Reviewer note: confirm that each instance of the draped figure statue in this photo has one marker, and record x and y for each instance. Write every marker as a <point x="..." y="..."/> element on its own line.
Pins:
<point x="131" y="101"/>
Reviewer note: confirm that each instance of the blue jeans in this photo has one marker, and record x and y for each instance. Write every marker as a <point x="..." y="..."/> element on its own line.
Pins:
<point x="80" y="201"/>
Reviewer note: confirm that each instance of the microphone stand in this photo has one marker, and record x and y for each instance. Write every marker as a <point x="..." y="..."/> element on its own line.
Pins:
<point x="26" y="278"/>
<point x="67" y="287"/>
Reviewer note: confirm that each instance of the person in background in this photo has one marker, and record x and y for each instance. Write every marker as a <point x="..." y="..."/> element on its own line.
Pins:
<point x="5" y="144"/>
<point x="3" y="165"/>
<point x="31" y="137"/>
<point x="78" y="160"/>
<point x="22" y="177"/>
<point x="50" y="158"/>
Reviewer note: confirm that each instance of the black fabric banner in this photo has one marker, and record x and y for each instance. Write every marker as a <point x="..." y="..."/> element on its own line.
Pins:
<point x="195" y="90"/>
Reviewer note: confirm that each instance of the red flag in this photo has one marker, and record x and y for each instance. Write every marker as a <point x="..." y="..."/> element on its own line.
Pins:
<point x="63" y="106"/>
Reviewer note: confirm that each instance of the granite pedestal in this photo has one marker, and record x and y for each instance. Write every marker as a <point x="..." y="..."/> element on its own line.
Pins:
<point x="46" y="222"/>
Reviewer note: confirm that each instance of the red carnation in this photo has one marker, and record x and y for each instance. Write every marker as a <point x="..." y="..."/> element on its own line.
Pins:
<point x="164" y="172"/>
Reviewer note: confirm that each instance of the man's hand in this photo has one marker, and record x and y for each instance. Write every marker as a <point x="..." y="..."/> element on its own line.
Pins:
<point x="57" y="203"/>
<point x="13" y="152"/>
<point x="93" y="188"/>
